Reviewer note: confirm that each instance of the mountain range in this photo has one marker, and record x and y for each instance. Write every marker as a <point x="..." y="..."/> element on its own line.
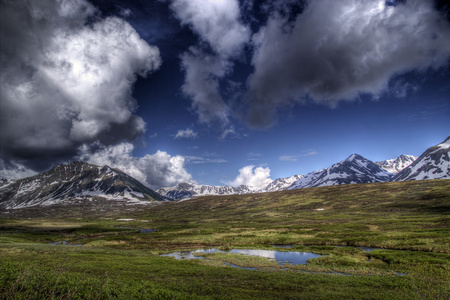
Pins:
<point x="432" y="164"/>
<point x="79" y="181"/>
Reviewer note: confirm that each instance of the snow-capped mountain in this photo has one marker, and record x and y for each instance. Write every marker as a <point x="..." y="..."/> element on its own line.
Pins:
<point x="187" y="190"/>
<point x="281" y="184"/>
<point x="77" y="180"/>
<point x="397" y="164"/>
<point x="434" y="163"/>
<point x="354" y="169"/>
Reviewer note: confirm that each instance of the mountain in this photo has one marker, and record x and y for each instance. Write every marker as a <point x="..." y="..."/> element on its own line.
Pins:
<point x="354" y="169"/>
<point x="188" y="190"/>
<point x="281" y="184"/>
<point x="75" y="181"/>
<point x="434" y="163"/>
<point x="397" y="164"/>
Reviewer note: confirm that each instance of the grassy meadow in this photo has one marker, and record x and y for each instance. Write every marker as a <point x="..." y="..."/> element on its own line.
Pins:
<point x="408" y="220"/>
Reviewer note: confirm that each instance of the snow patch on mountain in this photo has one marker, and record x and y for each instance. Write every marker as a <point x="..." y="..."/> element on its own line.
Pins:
<point x="395" y="165"/>
<point x="354" y="169"/>
<point x="434" y="163"/>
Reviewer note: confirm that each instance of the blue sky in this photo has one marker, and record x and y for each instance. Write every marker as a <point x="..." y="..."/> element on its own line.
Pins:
<point x="178" y="90"/>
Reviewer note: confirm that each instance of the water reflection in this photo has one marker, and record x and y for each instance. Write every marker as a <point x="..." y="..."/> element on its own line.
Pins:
<point x="293" y="258"/>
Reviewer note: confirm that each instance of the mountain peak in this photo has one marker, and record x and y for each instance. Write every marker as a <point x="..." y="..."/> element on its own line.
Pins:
<point x="355" y="156"/>
<point x="76" y="181"/>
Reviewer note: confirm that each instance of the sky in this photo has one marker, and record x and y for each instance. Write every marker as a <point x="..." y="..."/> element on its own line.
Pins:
<point x="220" y="92"/>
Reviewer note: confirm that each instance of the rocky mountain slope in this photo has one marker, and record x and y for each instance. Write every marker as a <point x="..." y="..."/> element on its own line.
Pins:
<point x="397" y="164"/>
<point x="354" y="169"/>
<point x="281" y="184"/>
<point x="434" y="163"/>
<point x="75" y="181"/>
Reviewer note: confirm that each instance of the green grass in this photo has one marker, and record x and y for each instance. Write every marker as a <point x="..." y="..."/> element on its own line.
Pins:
<point x="409" y="219"/>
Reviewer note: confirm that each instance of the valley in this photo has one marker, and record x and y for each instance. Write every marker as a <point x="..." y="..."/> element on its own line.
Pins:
<point x="408" y="223"/>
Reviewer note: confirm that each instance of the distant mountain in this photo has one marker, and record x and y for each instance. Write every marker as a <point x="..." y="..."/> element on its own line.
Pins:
<point x="397" y="164"/>
<point x="75" y="181"/>
<point x="281" y="184"/>
<point x="354" y="169"/>
<point x="434" y="163"/>
<point x="188" y="190"/>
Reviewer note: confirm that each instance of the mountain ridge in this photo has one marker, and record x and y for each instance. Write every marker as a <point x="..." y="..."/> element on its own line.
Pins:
<point x="353" y="169"/>
<point x="76" y="180"/>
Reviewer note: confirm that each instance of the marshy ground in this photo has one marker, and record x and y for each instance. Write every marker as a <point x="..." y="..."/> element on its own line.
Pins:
<point x="409" y="221"/>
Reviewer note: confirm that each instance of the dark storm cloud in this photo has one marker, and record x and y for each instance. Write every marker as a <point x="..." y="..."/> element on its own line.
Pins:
<point x="337" y="50"/>
<point x="67" y="78"/>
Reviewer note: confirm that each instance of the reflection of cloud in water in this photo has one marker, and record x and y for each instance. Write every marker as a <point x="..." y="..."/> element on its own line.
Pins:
<point x="294" y="258"/>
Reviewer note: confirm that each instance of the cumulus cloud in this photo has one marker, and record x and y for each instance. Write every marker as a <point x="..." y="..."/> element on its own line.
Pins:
<point x="222" y="39"/>
<point x="155" y="170"/>
<point x="186" y="134"/>
<point x="67" y="78"/>
<point x="256" y="177"/>
<point x="338" y="50"/>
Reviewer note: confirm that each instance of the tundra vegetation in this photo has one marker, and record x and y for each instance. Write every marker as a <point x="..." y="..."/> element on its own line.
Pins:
<point x="409" y="221"/>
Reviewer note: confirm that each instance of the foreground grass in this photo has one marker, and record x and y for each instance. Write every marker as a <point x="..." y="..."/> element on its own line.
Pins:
<point x="409" y="219"/>
<point x="41" y="271"/>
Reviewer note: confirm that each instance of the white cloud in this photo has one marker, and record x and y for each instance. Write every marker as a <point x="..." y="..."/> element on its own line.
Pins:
<point x="288" y="158"/>
<point x="186" y="134"/>
<point x="253" y="156"/>
<point x="204" y="160"/>
<point x="229" y="132"/>
<point x="310" y="153"/>
<point x="337" y="50"/>
<point x="156" y="170"/>
<point x="257" y="177"/>
<point x="65" y="83"/>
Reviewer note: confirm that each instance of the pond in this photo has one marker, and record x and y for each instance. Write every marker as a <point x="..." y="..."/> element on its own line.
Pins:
<point x="281" y="257"/>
